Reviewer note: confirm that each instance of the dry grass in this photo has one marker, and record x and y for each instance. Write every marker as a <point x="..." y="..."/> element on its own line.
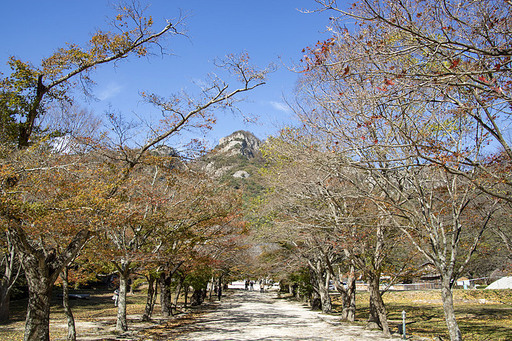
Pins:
<point x="95" y="317"/>
<point x="481" y="314"/>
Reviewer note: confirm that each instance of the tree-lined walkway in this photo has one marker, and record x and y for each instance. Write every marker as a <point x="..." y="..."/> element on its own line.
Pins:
<point x="250" y="315"/>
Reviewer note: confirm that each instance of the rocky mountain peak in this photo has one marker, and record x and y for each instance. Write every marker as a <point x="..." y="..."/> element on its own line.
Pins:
<point x="236" y="156"/>
<point x="239" y="143"/>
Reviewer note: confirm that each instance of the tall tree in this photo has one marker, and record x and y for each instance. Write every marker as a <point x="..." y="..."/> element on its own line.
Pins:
<point x="457" y="55"/>
<point x="27" y="92"/>
<point x="417" y="150"/>
<point x="50" y="213"/>
<point x="29" y="88"/>
<point x="335" y="205"/>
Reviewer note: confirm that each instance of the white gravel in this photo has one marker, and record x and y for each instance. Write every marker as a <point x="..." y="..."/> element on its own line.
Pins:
<point x="250" y="315"/>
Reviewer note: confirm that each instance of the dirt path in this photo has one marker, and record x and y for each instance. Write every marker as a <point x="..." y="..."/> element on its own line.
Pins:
<point x="246" y="315"/>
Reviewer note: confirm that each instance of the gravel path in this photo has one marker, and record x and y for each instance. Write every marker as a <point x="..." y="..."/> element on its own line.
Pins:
<point x="247" y="315"/>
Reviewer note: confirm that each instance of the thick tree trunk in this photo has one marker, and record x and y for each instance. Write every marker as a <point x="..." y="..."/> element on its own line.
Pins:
<point x="124" y="272"/>
<point x="377" y="307"/>
<point x="164" y="282"/>
<point x="349" y="299"/>
<point x="449" y="312"/>
<point x="41" y="270"/>
<point x="165" y="294"/>
<point x="37" y="323"/>
<point x="320" y="280"/>
<point x="150" y="299"/>
<point x="325" y="298"/>
<point x="65" y="303"/>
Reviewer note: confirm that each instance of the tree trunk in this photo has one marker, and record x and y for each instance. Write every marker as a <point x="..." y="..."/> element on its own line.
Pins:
<point x="9" y="278"/>
<point x="165" y="294"/>
<point x="155" y="295"/>
<point x="323" y="290"/>
<point x="349" y="298"/>
<point x="65" y="303"/>
<point x="219" y="292"/>
<point x="197" y="297"/>
<point x="165" y="289"/>
<point x="315" y="301"/>
<point x="377" y="307"/>
<point x="212" y="284"/>
<point x="26" y="128"/>
<point x="204" y="293"/>
<point x="185" y="292"/>
<point x="449" y="312"/>
<point x="150" y="299"/>
<point x="41" y="270"/>
<point x="124" y="272"/>
<point x="178" y="292"/>
<point x="40" y="279"/>
<point x="37" y="323"/>
<point x="5" y="300"/>
<point x="321" y="299"/>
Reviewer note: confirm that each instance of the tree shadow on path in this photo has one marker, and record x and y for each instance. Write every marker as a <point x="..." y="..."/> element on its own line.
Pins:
<point x="246" y="315"/>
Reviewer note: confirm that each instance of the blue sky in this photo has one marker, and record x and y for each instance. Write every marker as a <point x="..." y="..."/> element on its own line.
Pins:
<point x="270" y="31"/>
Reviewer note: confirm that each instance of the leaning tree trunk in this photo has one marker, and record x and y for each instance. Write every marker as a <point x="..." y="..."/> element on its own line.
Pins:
<point x="150" y="299"/>
<point x="377" y="307"/>
<point x="65" y="303"/>
<point x="124" y="272"/>
<point x="449" y="311"/>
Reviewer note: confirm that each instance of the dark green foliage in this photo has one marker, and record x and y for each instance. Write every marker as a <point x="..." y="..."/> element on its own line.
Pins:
<point x="300" y="281"/>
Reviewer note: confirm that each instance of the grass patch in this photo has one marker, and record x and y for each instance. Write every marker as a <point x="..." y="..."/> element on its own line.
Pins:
<point x="93" y="316"/>
<point x="481" y="314"/>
